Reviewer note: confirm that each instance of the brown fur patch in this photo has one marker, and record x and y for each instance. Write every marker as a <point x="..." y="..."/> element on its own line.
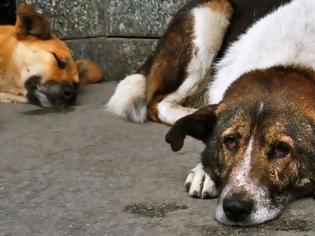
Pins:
<point x="152" y="109"/>
<point x="222" y="6"/>
<point x="171" y="58"/>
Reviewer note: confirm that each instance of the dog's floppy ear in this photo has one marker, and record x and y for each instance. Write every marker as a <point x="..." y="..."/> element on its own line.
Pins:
<point x="198" y="125"/>
<point x="31" y="23"/>
<point x="89" y="72"/>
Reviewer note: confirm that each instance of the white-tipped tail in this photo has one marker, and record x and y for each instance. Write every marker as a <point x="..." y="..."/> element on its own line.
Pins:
<point x="128" y="100"/>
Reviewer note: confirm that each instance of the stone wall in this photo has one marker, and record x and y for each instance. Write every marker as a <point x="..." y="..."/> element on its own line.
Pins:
<point x="118" y="34"/>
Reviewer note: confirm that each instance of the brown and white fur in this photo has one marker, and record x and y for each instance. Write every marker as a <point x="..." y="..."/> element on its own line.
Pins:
<point x="36" y="66"/>
<point x="259" y="127"/>
<point x="178" y="68"/>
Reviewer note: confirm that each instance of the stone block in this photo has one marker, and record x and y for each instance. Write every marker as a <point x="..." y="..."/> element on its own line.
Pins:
<point x="118" y="57"/>
<point x="73" y="19"/>
<point x="139" y="18"/>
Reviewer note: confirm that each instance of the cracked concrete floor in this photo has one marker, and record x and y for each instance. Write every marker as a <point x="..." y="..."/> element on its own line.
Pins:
<point x="84" y="172"/>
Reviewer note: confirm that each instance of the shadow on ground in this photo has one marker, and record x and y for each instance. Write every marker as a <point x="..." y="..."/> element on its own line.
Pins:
<point x="81" y="171"/>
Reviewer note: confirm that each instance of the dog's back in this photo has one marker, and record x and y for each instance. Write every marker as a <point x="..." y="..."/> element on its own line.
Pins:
<point x="245" y="14"/>
<point x="284" y="38"/>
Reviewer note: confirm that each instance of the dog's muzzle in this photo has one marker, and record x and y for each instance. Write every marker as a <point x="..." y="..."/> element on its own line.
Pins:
<point x="50" y="93"/>
<point x="250" y="206"/>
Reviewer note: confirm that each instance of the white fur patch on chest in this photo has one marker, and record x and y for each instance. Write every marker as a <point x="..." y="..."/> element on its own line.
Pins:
<point x="284" y="37"/>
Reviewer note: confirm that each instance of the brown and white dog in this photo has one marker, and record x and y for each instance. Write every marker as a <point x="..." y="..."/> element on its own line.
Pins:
<point x="36" y="66"/>
<point x="259" y="126"/>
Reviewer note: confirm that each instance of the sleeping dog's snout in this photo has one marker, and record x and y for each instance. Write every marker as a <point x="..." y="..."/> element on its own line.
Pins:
<point x="50" y="93"/>
<point x="237" y="207"/>
<point x="69" y="93"/>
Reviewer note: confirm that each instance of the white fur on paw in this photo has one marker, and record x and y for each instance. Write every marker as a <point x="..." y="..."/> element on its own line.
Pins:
<point x="10" y="98"/>
<point x="199" y="184"/>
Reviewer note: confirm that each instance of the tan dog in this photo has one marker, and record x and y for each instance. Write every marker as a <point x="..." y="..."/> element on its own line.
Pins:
<point x="36" y="66"/>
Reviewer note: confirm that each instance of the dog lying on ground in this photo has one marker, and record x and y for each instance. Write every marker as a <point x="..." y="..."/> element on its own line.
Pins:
<point x="37" y="67"/>
<point x="259" y="125"/>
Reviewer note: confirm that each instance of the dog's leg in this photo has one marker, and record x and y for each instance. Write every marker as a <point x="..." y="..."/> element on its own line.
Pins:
<point x="199" y="184"/>
<point x="10" y="98"/>
<point x="210" y="21"/>
<point x="199" y="125"/>
<point x="169" y="110"/>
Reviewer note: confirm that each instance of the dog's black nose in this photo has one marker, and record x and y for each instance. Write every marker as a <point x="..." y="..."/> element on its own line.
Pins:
<point x="237" y="208"/>
<point x="69" y="94"/>
<point x="68" y="91"/>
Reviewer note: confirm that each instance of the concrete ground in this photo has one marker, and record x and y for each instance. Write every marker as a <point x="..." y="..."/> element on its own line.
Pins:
<point x="83" y="172"/>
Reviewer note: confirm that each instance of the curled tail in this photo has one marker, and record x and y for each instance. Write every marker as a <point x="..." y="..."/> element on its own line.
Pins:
<point x="128" y="100"/>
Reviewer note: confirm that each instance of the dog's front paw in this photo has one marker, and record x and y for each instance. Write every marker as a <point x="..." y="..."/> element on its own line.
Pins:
<point x="199" y="184"/>
<point x="10" y="98"/>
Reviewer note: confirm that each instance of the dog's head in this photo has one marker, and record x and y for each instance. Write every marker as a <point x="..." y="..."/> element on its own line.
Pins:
<point x="260" y="143"/>
<point x="44" y="63"/>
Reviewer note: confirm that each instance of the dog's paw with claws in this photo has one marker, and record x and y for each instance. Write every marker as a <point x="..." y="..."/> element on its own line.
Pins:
<point x="199" y="184"/>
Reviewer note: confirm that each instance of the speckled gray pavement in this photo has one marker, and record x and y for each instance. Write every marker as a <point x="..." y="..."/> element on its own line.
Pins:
<point x="84" y="172"/>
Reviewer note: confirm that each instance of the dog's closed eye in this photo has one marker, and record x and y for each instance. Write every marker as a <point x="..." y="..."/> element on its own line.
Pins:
<point x="61" y="63"/>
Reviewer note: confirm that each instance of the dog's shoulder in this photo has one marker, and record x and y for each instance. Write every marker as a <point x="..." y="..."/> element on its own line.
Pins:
<point x="246" y="13"/>
<point x="282" y="38"/>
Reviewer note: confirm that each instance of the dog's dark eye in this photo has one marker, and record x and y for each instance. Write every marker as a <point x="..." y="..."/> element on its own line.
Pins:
<point x="279" y="150"/>
<point x="231" y="143"/>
